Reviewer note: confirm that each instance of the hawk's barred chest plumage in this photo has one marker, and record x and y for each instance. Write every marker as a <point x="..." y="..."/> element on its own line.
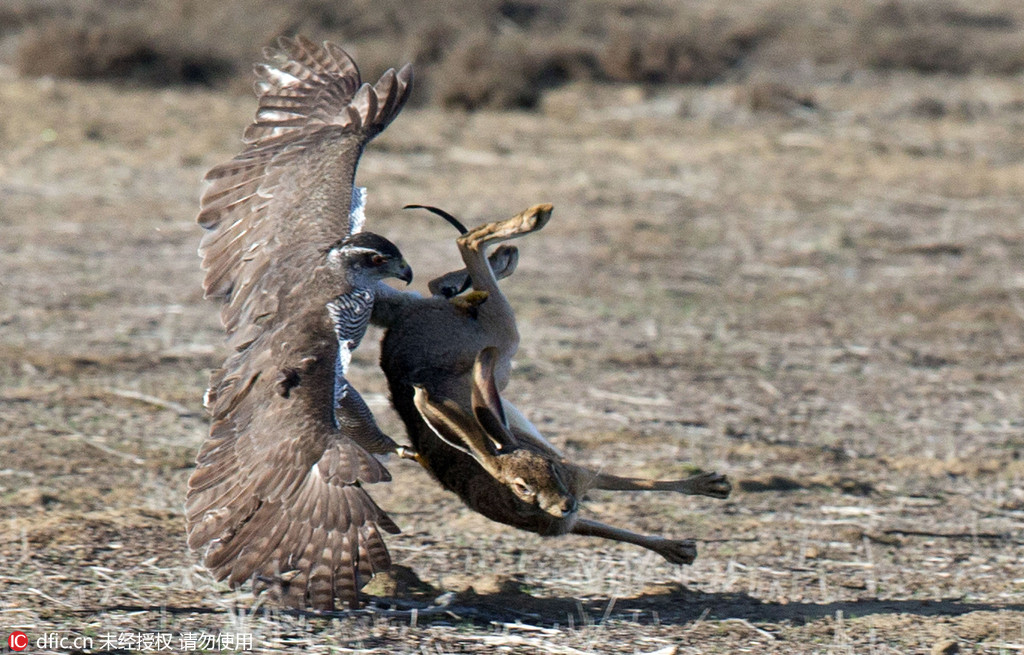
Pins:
<point x="350" y="313"/>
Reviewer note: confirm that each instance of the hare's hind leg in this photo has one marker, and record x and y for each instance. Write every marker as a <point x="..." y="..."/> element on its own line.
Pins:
<point x="710" y="484"/>
<point x="677" y="551"/>
<point x="473" y="243"/>
<point x="495" y="320"/>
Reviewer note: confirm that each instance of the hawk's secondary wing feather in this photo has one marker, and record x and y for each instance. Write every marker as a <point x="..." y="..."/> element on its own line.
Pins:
<point x="287" y="197"/>
<point x="277" y="495"/>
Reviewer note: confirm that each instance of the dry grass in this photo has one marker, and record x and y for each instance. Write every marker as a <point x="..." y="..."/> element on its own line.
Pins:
<point x="506" y="53"/>
<point x="821" y="299"/>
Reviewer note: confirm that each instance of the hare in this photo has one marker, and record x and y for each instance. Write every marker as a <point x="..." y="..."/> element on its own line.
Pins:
<point x="446" y="361"/>
<point x="280" y="494"/>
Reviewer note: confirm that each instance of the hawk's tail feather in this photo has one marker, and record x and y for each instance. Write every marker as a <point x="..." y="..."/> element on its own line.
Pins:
<point x="320" y="545"/>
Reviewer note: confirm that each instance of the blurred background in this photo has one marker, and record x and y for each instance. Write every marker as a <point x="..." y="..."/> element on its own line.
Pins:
<point x="506" y="53"/>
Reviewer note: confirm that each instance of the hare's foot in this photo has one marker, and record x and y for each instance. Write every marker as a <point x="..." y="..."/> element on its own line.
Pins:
<point x="676" y="551"/>
<point x="710" y="484"/>
<point x="525" y="222"/>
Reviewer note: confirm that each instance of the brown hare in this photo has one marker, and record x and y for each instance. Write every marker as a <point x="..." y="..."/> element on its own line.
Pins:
<point x="446" y="361"/>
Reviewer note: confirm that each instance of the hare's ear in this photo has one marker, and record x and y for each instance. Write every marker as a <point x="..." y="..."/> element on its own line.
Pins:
<point x="487" y="404"/>
<point x="456" y="428"/>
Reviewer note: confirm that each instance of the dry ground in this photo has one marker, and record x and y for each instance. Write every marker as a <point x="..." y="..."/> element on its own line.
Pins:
<point x="826" y="304"/>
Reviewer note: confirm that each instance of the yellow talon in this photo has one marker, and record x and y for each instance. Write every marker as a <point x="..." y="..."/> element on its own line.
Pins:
<point x="409" y="453"/>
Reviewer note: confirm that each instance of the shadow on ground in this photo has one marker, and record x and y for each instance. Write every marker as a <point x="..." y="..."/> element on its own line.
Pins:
<point x="676" y="605"/>
<point x="680" y="605"/>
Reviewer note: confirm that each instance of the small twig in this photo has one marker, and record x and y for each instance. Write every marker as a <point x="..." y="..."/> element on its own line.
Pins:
<point x="516" y="640"/>
<point x="136" y="596"/>
<point x="700" y="619"/>
<point x="750" y="626"/>
<point x="667" y="650"/>
<point x="26" y="552"/>
<point x="107" y="449"/>
<point x="613" y="416"/>
<point x="608" y="610"/>
<point x="155" y="401"/>
<point x="33" y="590"/>
<point x="29" y="393"/>
<point x="950" y="535"/>
<point x="525" y="627"/>
<point x="632" y="400"/>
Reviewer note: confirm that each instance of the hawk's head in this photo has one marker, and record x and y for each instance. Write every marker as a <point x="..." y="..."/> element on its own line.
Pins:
<point x="365" y="258"/>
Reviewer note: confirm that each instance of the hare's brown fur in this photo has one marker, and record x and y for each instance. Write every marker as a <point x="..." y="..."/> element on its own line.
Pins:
<point x="446" y="366"/>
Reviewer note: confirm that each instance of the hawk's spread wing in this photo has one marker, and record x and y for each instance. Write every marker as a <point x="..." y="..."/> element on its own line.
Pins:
<point x="277" y="493"/>
<point x="288" y="196"/>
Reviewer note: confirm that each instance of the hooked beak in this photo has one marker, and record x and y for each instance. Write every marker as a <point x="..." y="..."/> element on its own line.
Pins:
<point x="405" y="273"/>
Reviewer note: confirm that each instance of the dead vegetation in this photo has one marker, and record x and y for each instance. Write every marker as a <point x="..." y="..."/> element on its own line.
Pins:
<point x="940" y="37"/>
<point x="809" y="283"/>
<point x="506" y="53"/>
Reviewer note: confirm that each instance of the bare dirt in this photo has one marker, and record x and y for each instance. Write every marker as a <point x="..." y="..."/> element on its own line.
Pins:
<point x="822" y="299"/>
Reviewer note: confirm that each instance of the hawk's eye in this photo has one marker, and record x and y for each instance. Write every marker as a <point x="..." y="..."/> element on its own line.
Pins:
<point x="378" y="260"/>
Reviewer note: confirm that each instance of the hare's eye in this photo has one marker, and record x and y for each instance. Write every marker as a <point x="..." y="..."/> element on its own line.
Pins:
<point x="522" y="489"/>
<point x="377" y="260"/>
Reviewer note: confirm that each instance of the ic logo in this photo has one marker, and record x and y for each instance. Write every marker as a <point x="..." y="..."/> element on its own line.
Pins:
<point x="18" y="640"/>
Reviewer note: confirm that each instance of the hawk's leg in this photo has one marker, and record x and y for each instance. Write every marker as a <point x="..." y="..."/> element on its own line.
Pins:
<point x="355" y="420"/>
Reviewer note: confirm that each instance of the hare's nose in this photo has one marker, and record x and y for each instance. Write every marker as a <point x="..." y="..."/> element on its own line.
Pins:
<point x="569" y="506"/>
